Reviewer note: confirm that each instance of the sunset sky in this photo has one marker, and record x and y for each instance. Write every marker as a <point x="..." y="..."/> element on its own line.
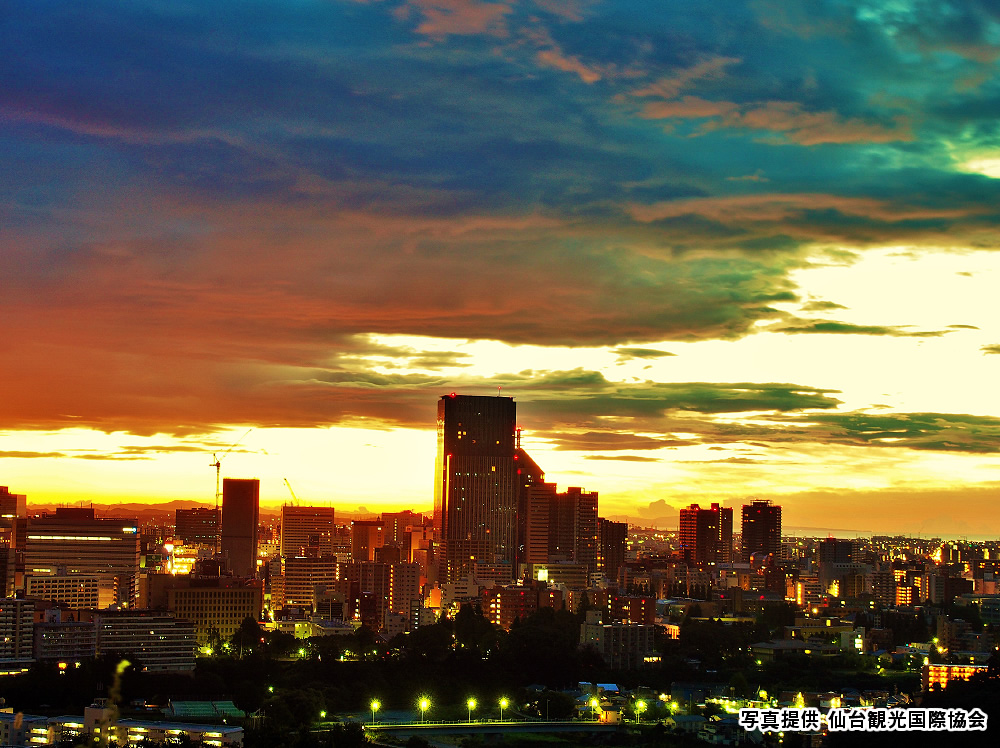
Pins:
<point x="714" y="250"/>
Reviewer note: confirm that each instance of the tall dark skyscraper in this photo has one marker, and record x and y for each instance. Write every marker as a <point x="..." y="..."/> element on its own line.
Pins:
<point x="240" y="515"/>
<point x="611" y="544"/>
<point x="479" y="475"/>
<point x="13" y="522"/>
<point x="573" y="528"/>
<point x="706" y="535"/>
<point x="761" y="529"/>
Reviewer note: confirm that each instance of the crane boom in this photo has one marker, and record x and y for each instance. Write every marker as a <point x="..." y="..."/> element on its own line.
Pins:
<point x="217" y="464"/>
<point x="295" y="498"/>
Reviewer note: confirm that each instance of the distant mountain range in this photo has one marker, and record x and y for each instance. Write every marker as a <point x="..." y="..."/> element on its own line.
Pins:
<point x="167" y="509"/>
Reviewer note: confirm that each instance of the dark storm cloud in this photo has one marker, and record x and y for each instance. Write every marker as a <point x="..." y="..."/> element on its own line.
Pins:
<point x="801" y="326"/>
<point x="821" y="306"/>
<point x="947" y="432"/>
<point x="627" y="354"/>
<point x="612" y="441"/>
<point x="653" y="399"/>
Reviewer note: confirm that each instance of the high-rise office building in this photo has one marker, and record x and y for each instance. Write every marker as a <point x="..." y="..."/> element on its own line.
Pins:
<point x="706" y="535"/>
<point x="761" y="529"/>
<point x="304" y="573"/>
<point x="306" y="530"/>
<point x="12" y="504"/>
<point x="74" y="541"/>
<point x="573" y="528"/>
<point x="397" y="525"/>
<point x="367" y="535"/>
<point x="611" y="543"/>
<point x="13" y="513"/>
<point x="836" y="551"/>
<point x="240" y="517"/>
<point x="480" y="472"/>
<point x="198" y="526"/>
<point x="533" y="522"/>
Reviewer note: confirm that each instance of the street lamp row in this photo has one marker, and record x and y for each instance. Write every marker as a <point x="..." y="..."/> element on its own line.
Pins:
<point x="425" y="704"/>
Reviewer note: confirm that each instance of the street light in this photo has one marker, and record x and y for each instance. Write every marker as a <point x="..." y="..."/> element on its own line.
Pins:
<point x="593" y="708"/>
<point x="375" y="705"/>
<point x="503" y="704"/>
<point x="425" y="704"/>
<point x="640" y="707"/>
<point x="471" y="703"/>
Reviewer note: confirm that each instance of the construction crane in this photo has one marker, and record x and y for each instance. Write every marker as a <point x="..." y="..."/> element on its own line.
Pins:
<point x="217" y="464"/>
<point x="295" y="499"/>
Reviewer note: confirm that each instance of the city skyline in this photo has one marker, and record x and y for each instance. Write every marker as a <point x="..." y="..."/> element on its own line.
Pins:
<point x="713" y="253"/>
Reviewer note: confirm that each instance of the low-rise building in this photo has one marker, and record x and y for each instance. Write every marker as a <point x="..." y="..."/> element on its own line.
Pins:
<point x="157" y="641"/>
<point x="621" y="645"/>
<point x="65" y="641"/>
<point x="78" y="591"/>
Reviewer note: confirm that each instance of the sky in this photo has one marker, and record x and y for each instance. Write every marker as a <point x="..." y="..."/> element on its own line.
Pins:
<point x="713" y="250"/>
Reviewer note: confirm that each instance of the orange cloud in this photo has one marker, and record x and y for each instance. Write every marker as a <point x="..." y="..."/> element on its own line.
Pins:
<point x="442" y="18"/>
<point x="568" y="63"/>
<point x="687" y="107"/>
<point x="774" y="207"/>
<point x="813" y="128"/>
<point x="573" y="11"/>
<point x="670" y="86"/>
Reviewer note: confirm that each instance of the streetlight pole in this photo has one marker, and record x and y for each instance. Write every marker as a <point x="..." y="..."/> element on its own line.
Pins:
<point x="375" y="707"/>
<point x="424" y="705"/>
<point x="503" y="703"/>
<point x="471" y="703"/>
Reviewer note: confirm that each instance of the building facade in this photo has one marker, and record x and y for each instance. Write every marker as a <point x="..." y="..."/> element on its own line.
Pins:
<point x="477" y="482"/>
<point x="706" y="535"/>
<point x="17" y="629"/>
<point x="306" y="530"/>
<point x="240" y="517"/>
<point x="573" y="528"/>
<point x="761" y="529"/>
<point x="216" y="606"/>
<point x="78" y="591"/>
<point x="612" y="538"/>
<point x="74" y="541"/>
<point x="156" y="641"/>
<point x="197" y="526"/>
